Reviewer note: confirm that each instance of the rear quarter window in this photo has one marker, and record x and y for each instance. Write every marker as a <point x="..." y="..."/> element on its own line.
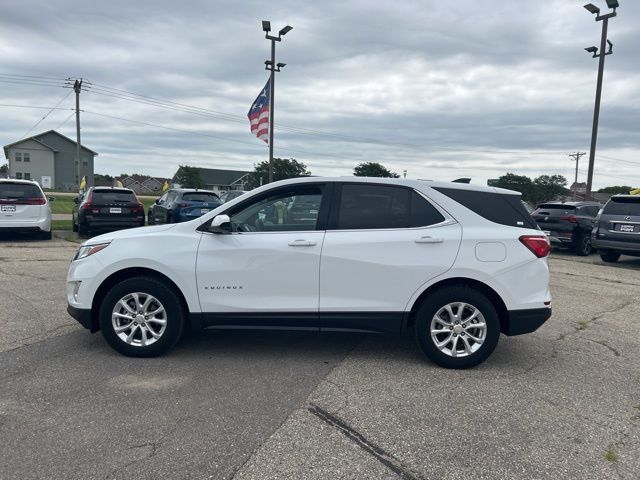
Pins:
<point x="200" y="197"/>
<point x="501" y="208"/>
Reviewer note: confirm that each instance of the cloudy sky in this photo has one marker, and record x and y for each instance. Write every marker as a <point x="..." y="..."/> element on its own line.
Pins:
<point x="442" y="90"/>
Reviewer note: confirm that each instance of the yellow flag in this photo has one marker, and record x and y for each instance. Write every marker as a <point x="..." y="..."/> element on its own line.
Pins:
<point x="165" y="187"/>
<point x="635" y="192"/>
<point x="119" y="184"/>
<point x="83" y="183"/>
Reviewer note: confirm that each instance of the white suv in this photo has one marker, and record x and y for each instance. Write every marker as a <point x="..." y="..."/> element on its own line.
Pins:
<point x="457" y="263"/>
<point x="24" y="208"/>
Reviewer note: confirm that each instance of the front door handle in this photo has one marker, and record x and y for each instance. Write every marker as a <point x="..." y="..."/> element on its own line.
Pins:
<point x="429" y="240"/>
<point x="302" y="243"/>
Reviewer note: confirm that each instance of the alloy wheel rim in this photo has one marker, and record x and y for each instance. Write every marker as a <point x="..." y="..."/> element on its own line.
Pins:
<point x="458" y="329"/>
<point x="139" y="319"/>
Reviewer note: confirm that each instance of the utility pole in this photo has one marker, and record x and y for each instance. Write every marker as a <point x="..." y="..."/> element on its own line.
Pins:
<point x="576" y="156"/>
<point x="77" y="87"/>
<point x="591" y="8"/>
<point x="273" y="68"/>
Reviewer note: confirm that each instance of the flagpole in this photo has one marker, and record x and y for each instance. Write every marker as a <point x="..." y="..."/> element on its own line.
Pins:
<point x="272" y="79"/>
<point x="273" y="67"/>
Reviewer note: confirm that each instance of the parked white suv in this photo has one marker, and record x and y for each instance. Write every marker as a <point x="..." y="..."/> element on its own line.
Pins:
<point x="24" y="208"/>
<point x="458" y="263"/>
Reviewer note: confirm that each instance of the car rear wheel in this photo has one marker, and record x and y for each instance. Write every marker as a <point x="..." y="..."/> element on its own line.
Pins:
<point x="45" y="235"/>
<point x="83" y="231"/>
<point x="582" y="244"/>
<point x="609" y="256"/>
<point x="141" y="317"/>
<point x="457" y="327"/>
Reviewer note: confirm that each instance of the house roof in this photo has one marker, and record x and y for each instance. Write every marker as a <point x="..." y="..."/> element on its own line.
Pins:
<point x="37" y="138"/>
<point x="216" y="176"/>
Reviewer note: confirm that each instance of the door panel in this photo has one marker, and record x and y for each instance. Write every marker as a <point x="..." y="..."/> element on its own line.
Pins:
<point x="261" y="272"/>
<point x="379" y="270"/>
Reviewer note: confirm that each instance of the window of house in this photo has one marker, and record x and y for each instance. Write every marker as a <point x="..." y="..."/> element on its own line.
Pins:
<point x="26" y="157"/>
<point x="19" y="175"/>
<point x="18" y="156"/>
<point x="27" y="175"/>
<point x="85" y="163"/>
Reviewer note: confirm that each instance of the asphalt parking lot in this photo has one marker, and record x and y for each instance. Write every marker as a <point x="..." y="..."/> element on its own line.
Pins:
<point x="563" y="402"/>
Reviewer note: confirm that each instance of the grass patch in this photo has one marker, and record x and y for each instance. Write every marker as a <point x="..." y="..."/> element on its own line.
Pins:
<point x="582" y="324"/>
<point x="61" y="225"/>
<point x="611" y="456"/>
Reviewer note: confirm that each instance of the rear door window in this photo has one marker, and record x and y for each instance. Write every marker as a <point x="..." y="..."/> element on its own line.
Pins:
<point x="502" y="208"/>
<point x="365" y="206"/>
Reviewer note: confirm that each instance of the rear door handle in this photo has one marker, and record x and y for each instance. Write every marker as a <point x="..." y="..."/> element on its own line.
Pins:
<point x="302" y="243"/>
<point x="429" y="240"/>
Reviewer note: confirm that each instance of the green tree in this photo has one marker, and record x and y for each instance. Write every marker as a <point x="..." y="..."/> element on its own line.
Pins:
<point x="519" y="183"/>
<point x="189" y="177"/>
<point x="373" y="169"/>
<point x="4" y="169"/>
<point x="615" y="190"/>
<point x="548" y="187"/>
<point x="100" y="180"/>
<point x="283" y="168"/>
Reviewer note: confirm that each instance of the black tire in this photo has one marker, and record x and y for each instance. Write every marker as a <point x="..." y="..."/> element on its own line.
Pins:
<point x="74" y="226"/>
<point x="169" y="218"/>
<point x="83" y="231"/>
<point x="174" y="317"/>
<point x="439" y="299"/>
<point x="582" y="244"/>
<point x="45" y="235"/>
<point x="150" y="219"/>
<point x="609" y="256"/>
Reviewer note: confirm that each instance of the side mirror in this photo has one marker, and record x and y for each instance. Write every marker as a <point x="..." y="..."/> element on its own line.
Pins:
<point x="76" y="200"/>
<point x="220" y="224"/>
<point x="157" y="201"/>
<point x="51" y="199"/>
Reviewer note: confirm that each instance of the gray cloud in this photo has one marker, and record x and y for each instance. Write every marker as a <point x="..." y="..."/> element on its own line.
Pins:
<point x="439" y="89"/>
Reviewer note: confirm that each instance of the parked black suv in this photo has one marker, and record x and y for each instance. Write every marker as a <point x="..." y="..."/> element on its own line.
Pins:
<point x="617" y="228"/>
<point x="568" y="224"/>
<point x="104" y="208"/>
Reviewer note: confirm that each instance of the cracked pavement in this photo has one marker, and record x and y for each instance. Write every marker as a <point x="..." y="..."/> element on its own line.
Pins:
<point x="296" y="405"/>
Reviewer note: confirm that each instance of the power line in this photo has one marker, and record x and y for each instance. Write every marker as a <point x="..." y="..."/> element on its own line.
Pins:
<point x="217" y="137"/>
<point x="47" y="114"/>
<point x="67" y="119"/>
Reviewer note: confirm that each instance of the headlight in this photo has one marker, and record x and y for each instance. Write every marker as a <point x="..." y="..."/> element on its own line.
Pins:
<point x="87" y="250"/>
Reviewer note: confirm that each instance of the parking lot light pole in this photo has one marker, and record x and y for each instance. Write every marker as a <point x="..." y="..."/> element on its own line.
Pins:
<point x="591" y="8"/>
<point x="273" y="68"/>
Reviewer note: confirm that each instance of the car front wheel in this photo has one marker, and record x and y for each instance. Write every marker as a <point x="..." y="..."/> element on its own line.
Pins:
<point x="457" y="327"/>
<point x="141" y="317"/>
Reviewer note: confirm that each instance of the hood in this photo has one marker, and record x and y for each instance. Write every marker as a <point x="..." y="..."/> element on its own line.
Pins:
<point x="130" y="233"/>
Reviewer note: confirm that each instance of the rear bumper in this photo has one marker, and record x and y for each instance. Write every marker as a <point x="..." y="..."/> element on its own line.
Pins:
<point x="106" y="223"/>
<point x="622" y="247"/>
<point x="520" y="322"/>
<point x="84" y="317"/>
<point x="26" y="226"/>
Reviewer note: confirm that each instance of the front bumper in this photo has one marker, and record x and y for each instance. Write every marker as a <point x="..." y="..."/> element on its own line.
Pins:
<point x="519" y="322"/>
<point x="84" y="318"/>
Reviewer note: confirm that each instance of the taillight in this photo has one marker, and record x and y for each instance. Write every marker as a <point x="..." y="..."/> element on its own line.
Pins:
<point x="182" y="204"/>
<point x="539" y="245"/>
<point x="87" y="205"/>
<point x="138" y="208"/>
<point x="569" y="218"/>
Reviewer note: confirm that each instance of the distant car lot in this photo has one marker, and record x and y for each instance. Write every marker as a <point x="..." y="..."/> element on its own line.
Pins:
<point x="560" y="403"/>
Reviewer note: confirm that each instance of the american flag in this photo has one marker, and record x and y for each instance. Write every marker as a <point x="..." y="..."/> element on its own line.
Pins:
<point x="259" y="114"/>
